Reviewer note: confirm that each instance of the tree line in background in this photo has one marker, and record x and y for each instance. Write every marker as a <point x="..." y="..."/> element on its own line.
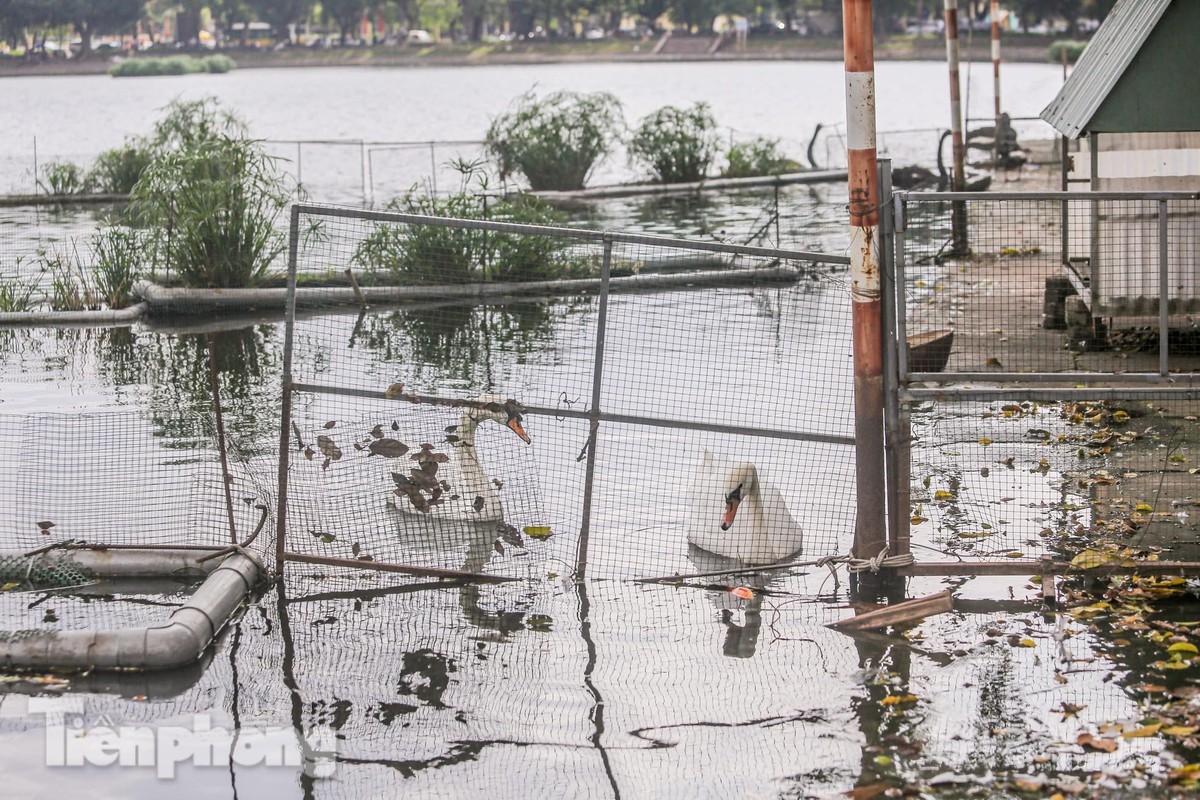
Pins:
<point x="26" y="23"/>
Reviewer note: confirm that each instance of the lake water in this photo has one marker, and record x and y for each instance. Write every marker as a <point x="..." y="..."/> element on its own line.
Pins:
<point x="76" y="117"/>
<point x="601" y="688"/>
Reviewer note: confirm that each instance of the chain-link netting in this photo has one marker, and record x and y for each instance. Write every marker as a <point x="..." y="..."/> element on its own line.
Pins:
<point x="1023" y="294"/>
<point x="1024" y="479"/>
<point x="705" y="365"/>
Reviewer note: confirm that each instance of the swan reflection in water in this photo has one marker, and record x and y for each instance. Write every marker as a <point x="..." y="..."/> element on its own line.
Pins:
<point x="741" y="637"/>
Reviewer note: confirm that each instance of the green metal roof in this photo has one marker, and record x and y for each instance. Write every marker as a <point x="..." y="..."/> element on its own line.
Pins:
<point x="1137" y="74"/>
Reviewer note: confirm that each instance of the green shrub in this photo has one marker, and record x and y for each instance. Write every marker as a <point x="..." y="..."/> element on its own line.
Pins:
<point x="677" y="144"/>
<point x="63" y="177"/>
<point x="171" y="65"/>
<point x="212" y="208"/>
<point x="1074" y="49"/>
<point x="759" y="156"/>
<point x="555" y="142"/>
<point x="118" y="263"/>
<point x="219" y="64"/>
<point x="116" y="171"/>
<point x="426" y="253"/>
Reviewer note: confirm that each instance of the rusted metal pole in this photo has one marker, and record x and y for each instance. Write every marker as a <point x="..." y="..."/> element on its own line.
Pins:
<point x="995" y="12"/>
<point x="870" y="532"/>
<point x="958" y="208"/>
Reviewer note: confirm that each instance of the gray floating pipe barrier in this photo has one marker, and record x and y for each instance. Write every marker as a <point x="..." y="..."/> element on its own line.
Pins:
<point x="123" y="316"/>
<point x="171" y="300"/>
<point x="181" y="640"/>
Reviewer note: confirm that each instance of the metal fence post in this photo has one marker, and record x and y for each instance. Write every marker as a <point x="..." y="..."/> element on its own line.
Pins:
<point x="871" y="519"/>
<point x="581" y="558"/>
<point x="958" y="209"/>
<point x="285" y="417"/>
<point x="897" y="512"/>
<point x="1164" y="297"/>
<point x="995" y="14"/>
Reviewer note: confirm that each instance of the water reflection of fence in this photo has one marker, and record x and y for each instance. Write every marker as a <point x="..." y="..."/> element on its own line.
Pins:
<point x="1053" y="386"/>
<point x="662" y="349"/>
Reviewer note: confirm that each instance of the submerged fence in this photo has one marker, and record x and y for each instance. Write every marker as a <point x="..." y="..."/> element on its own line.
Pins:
<point x="1047" y="375"/>
<point x="647" y="372"/>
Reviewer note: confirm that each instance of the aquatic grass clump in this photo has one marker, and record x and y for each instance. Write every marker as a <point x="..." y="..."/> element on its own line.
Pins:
<point x="677" y="144"/>
<point x="118" y="170"/>
<point x="212" y="210"/>
<point x="429" y="253"/>
<point x="555" y="141"/>
<point x="172" y="65"/>
<point x="757" y="157"/>
<point x="118" y="254"/>
<point x="63" y="177"/>
<point x="17" y="293"/>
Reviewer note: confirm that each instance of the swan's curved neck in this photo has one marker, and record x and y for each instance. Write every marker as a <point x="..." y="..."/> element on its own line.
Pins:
<point x="475" y="480"/>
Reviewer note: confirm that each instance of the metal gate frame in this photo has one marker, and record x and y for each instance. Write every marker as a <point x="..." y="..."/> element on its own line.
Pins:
<point x="593" y="414"/>
<point x="900" y="391"/>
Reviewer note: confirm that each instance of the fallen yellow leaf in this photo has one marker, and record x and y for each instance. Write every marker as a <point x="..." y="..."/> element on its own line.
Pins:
<point x="1142" y="732"/>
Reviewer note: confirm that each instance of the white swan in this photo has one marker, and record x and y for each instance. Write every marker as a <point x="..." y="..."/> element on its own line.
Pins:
<point x="429" y="482"/>
<point x="735" y="514"/>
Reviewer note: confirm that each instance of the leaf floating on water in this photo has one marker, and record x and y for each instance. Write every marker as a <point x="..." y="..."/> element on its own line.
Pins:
<point x="478" y="503"/>
<point x="499" y="484"/>
<point x="426" y="455"/>
<point x="452" y="439"/>
<point x="358" y="446"/>
<point x="45" y="525"/>
<point x="1142" y="732"/>
<point x="377" y="431"/>
<point x="499" y="548"/>
<point x="331" y="424"/>
<point x="509" y="534"/>
<point x="326" y="464"/>
<point x="309" y="453"/>
<point x="744" y="592"/>
<point x="395" y="425"/>
<point x="356" y="548"/>
<point x="451" y="428"/>
<point x="540" y="532"/>
<point x="328" y="448"/>
<point x="994" y="362"/>
<point x="322" y="536"/>
<point x="394" y="391"/>
<point x="10" y="585"/>
<point x="388" y="448"/>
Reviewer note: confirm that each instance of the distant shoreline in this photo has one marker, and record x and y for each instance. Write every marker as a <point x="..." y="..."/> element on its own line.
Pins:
<point x="1015" y="48"/>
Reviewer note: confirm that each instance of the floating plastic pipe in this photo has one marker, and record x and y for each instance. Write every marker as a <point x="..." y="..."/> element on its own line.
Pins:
<point x="80" y="318"/>
<point x="181" y="640"/>
<point x="164" y="300"/>
<point x="636" y="189"/>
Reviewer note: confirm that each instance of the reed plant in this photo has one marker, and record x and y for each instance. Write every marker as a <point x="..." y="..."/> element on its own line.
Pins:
<point x="677" y="144"/>
<point x="212" y="209"/>
<point x="555" y="141"/>
<point x="118" y="254"/>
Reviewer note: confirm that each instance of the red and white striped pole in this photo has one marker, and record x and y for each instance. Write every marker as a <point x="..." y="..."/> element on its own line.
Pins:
<point x="870" y="533"/>
<point x="958" y="211"/>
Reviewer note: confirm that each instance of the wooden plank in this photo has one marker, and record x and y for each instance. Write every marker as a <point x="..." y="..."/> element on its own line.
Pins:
<point x="899" y="613"/>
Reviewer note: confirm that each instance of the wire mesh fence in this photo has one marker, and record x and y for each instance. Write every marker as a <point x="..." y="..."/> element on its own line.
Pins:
<point x="1053" y="283"/>
<point x="1058" y="336"/>
<point x="699" y="363"/>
